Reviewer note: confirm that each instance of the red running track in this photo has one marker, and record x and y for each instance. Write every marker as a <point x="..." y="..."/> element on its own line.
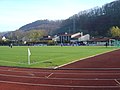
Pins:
<point x="101" y="72"/>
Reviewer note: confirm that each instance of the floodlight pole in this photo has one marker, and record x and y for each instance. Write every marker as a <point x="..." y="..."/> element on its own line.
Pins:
<point x="74" y="28"/>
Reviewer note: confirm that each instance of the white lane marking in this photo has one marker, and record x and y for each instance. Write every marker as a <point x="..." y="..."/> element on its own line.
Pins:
<point x="98" y="79"/>
<point x="80" y="73"/>
<point x="50" y="85"/>
<point x="117" y="81"/>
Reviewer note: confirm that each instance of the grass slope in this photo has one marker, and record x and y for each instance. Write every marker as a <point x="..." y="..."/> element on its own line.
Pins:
<point x="48" y="56"/>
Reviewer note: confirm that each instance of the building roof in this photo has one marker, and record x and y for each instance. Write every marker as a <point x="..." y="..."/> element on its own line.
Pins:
<point x="47" y="38"/>
<point x="77" y="36"/>
<point x="100" y="39"/>
<point x="66" y="35"/>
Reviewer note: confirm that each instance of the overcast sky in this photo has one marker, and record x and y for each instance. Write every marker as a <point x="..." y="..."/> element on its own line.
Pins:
<point x="16" y="13"/>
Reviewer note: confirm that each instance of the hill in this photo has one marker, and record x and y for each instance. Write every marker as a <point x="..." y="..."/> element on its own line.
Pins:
<point x="47" y="25"/>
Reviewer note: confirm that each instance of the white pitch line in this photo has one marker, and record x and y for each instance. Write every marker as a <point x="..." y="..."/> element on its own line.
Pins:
<point x="85" y="58"/>
<point x="12" y="62"/>
<point x="24" y="63"/>
<point x="41" y="61"/>
<point x="51" y="85"/>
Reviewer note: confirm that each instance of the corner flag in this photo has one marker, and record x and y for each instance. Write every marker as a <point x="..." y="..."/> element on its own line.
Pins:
<point x="29" y="53"/>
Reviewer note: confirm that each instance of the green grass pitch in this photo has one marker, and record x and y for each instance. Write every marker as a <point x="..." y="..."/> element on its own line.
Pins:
<point x="47" y="56"/>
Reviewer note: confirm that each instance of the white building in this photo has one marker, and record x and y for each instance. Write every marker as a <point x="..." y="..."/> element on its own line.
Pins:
<point x="84" y="38"/>
<point x="78" y="37"/>
<point x="4" y="38"/>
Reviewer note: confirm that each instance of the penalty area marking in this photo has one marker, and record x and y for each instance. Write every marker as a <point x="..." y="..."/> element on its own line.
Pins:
<point x="24" y="63"/>
<point x="46" y="60"/>
<point x="40" y="61"/>
<point x="11" y="62"/>
<point x="85" y="58"/>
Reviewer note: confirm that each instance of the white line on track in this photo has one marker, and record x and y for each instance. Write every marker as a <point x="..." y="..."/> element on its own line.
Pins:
<point x="49" y="75"/>
<point x="74" y="73"/>
<point x="50" y="85"/>
<point x="117" y="81"/>
<point x="16" y="76"/>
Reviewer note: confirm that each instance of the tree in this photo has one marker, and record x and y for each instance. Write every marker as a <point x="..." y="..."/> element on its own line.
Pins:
<point x="35" y="35"/>
<point x="115" y="31"/>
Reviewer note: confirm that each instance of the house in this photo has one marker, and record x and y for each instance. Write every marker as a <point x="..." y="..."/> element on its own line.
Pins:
<point x="101" y="41"/>
<point x="56" y="38"/>
<point x="44" y="41"/>
<point x="84" y="38"/>
<point x="75" y="37"/>
<point x="72" y="38"/>
<point x="4" y="38"/>
<point x="65" y="38"/>
<point x="80" y="38"/>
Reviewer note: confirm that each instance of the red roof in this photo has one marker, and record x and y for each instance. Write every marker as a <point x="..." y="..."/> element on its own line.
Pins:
<point x="66" y="35"/>
<point x="100" y="39"/>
